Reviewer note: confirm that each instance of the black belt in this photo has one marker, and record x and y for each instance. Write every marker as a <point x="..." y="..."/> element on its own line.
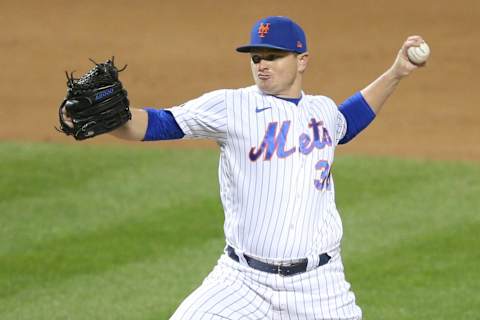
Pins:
<point x="283" y="270"/>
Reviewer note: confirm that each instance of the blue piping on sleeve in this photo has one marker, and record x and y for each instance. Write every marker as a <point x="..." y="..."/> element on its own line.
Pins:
<point x="358" y="114"/>
<point x="162" y="126"/>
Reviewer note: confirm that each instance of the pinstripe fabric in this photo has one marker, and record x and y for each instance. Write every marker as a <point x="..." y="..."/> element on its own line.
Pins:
<point x="233" y="291"/>
<point x="278" y="197"/>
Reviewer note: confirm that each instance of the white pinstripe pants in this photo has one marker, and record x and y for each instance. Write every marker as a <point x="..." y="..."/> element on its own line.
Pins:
<point x="234" y="291"/>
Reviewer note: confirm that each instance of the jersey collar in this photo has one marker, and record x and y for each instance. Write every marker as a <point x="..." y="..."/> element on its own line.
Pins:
<point x="295" y="101"/>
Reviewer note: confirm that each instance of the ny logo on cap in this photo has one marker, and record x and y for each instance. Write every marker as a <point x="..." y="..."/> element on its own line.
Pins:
<point x="263" y="29"/>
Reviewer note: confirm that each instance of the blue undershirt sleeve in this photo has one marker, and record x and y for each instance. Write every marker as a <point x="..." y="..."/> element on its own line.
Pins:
<point x="358" y="115"/>
<point x="162" y="126"/>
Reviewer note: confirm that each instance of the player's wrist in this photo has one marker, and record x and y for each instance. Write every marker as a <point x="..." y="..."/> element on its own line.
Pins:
<point x="394" y="74"/>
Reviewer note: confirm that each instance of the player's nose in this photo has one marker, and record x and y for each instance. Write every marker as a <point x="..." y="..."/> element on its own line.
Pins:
<point x="262" y="65"/>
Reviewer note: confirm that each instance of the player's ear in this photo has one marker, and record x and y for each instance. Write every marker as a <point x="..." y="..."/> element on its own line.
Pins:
<point x="302" y="62"/>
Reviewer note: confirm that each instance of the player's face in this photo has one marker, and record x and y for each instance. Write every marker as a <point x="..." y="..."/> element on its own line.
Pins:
<point x="278" y="72"/>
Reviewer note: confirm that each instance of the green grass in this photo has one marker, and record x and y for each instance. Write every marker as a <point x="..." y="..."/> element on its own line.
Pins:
<point x="90" y="232"/>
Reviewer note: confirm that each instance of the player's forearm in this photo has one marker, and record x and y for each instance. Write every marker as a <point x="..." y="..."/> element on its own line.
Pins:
<point x="377" y="93"/>
<point x="135" y="128"/>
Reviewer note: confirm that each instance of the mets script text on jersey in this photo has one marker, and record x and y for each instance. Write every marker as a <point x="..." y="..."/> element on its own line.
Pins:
<point x="273" y="142"/>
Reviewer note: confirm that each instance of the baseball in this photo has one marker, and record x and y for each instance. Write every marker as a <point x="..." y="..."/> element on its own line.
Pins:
<point x="418" y="55"/>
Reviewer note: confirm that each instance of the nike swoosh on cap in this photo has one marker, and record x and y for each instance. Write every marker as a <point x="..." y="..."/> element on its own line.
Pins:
<point x="257" y="110"/>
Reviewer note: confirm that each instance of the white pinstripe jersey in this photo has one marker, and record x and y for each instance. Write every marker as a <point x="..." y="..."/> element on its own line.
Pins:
<point x="274" y="171"/>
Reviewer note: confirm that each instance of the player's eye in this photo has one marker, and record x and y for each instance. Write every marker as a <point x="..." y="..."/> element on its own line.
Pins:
<point x="269" y="57"/>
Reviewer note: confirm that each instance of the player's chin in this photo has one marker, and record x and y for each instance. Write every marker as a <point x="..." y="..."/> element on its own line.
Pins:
<point x="265" y="86"/>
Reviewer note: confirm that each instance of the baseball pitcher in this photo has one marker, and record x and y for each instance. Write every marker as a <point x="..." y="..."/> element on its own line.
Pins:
<point x="282" y="229"/>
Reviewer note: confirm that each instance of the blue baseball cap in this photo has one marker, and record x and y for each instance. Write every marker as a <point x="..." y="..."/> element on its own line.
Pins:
<point x="276" y="32"/>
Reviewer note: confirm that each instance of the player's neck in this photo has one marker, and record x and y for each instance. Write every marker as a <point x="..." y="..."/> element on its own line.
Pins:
<point x="293" y="92"/>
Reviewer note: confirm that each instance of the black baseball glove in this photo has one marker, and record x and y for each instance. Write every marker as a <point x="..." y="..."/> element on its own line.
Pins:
<point x="96" y="103"/>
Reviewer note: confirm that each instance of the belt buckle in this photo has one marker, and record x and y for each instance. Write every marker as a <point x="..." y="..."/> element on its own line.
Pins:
<point x="282" y="269"/>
